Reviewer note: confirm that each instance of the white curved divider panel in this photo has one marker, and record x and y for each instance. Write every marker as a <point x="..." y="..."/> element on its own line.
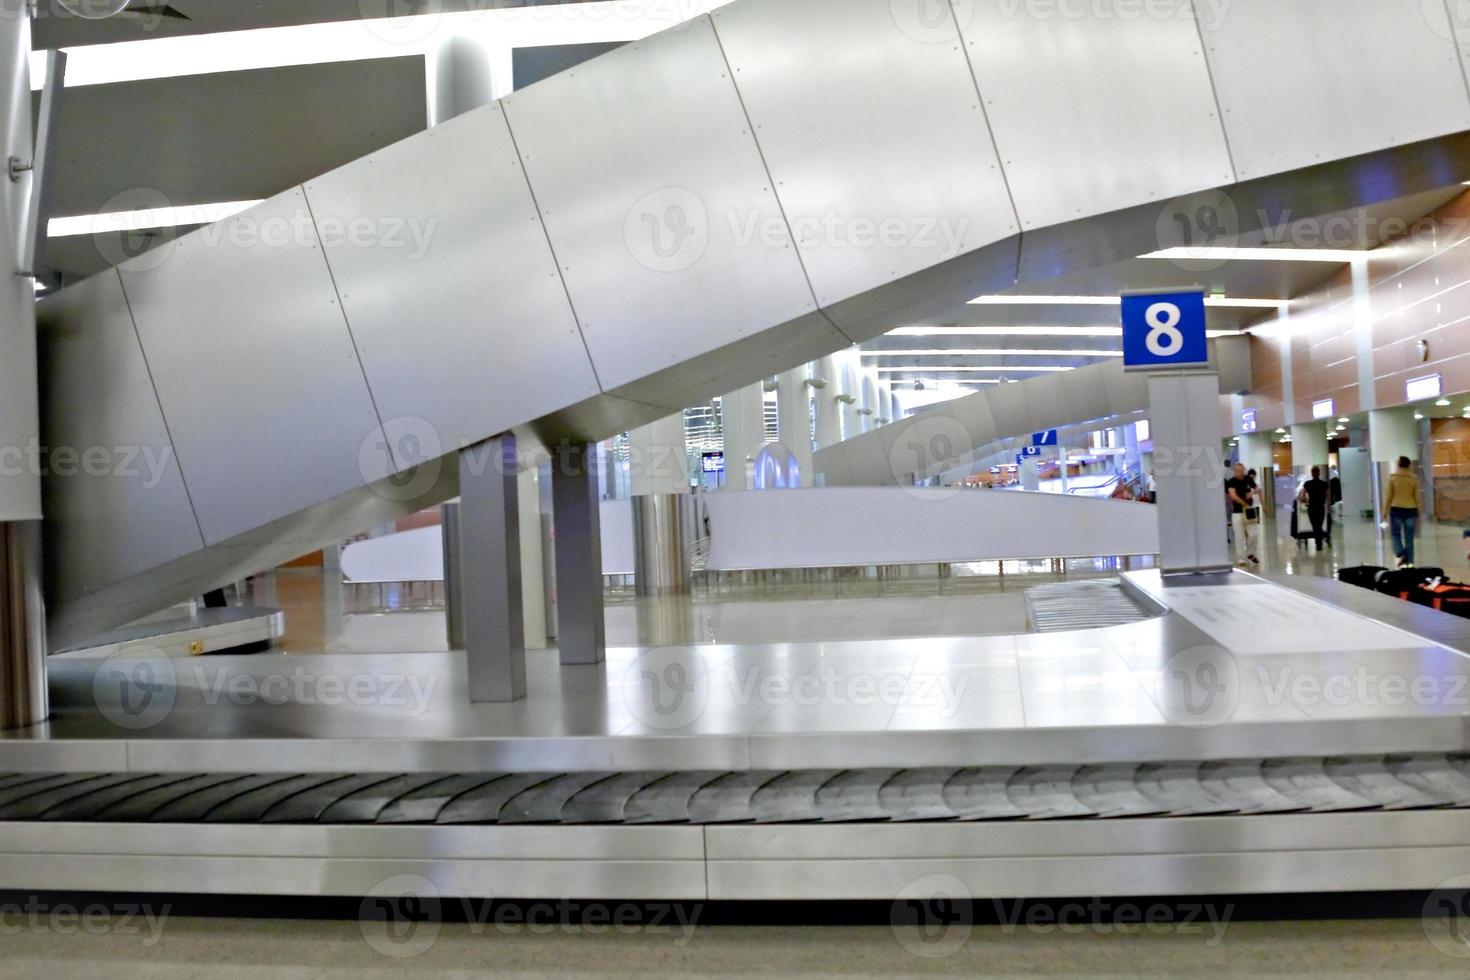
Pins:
<point x="418" y="555"/>
<point x="850" y="526"/>
<point x="674" y="220"/>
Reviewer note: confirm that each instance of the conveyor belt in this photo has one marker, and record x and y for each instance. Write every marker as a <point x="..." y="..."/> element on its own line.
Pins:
<point x="1178" y="789"/>
<point x="1081" y="605"/>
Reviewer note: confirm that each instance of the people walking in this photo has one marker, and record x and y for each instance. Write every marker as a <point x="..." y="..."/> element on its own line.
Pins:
<point x="1244" y="512"/>
<point x="1316" y="495"/>
<point x="1401" y="511"/>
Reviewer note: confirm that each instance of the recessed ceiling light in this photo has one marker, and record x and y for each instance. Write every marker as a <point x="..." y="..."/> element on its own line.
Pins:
<point x="145" y="218"/>
<point x="993" y="352"/>
<point x="1443" y="403"/>
<point x="1227" y="302"/>
<point x="1222" y="254"/>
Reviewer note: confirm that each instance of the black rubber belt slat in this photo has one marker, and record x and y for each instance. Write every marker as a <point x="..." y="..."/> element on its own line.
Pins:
<point x="917" y="794"/>
<point x="195" y="806"/>
<point x="308" y="805"/>
<point x="1175" y="787"/>
<point x="364" y="805"/>
<point x="667" y="800"/>
<point x="853" y="795"/>
<point x="141" y="807"/>
<point x="1242" y="786"/>
<point x="980" y="794"/>
<point x="423" y="805"/>
<point x="482" y="805"/>
<point x="21" y="778"/>
<point x="1370" y="779"/>
<point x="251" y="805"/>
<point x="790" y="797"/>
<point x="1306" y="781"/>
<point x="1045" y="793"/>
<point x="1112" y="791"/>
<point x="87" y="805"/>
<point x="727" y="799"/>
<point x="543" y="802"/>
<point x="607" y="801"/>
<point x="1433" y="774"/>
<point x="20" y="791"/>
<point x="32" y="805"/>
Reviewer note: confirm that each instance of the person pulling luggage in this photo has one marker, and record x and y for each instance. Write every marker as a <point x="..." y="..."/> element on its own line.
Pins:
<point x="1316" y="494"/>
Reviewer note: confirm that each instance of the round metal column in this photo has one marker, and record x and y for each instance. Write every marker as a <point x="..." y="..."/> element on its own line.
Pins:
<point x="23" y="698"/>
<point x="661" y="525"/>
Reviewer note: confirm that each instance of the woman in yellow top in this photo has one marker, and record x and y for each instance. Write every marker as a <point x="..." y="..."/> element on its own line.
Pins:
<point x="1401" y="511"/>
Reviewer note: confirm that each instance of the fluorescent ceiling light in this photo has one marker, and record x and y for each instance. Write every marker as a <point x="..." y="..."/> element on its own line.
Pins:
<point x="1224" y="302"/>
<point x="992" y="352"/>
<point x="362" y="38"/>
<point x="145" y="218"/>
<point x="939" y="369"/>
<point x="1187" y="254"/>
<point x="1099" y="331"/>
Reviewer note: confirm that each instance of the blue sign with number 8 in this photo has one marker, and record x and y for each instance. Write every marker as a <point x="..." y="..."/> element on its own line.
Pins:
<point x="1164" y="330"/>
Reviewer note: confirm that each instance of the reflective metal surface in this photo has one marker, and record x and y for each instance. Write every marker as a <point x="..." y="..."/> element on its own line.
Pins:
<point x="1095" y="78"/>
<point x="1279" y="74"/>
<point x="661" y="543"/>
<point x="930" y="187"/>
<point x="23" y="695"/>
<point x="455" y="304"/>
<point x="490" y="571"/>
<point x="244" y="313"/>
<point x="132" y="514"/>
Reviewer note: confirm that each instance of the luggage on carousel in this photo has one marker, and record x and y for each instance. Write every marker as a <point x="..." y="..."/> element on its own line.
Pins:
<point x="1363" y="576"/>
<point x="1404" y="581"/>
<point x="1450" y="597"/>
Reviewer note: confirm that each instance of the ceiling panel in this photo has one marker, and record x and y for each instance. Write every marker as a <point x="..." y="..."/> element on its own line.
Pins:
<point x="231" y="136"/>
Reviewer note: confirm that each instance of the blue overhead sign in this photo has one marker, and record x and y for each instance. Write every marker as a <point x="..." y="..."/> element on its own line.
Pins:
<point x="1162" y="331"/>
<point x="1029" y="452"/>
<point x="1047" y="438"/>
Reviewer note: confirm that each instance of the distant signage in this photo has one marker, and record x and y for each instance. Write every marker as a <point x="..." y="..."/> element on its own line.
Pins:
<point x="1047" y="438"/>
<point x="1030" y="452"/>
<point x="713" y="462"/>
<point x="1248" y="420"/>
<point x="1324" y="409"/>
<point x="1419" y="389"/>
<point x="1162" y="331"/>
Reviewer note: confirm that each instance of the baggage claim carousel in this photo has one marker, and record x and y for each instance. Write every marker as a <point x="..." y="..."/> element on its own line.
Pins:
<point x="1095" y="781"/>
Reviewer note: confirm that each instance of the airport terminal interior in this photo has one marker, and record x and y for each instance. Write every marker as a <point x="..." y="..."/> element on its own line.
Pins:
<point x="726" y="488"/>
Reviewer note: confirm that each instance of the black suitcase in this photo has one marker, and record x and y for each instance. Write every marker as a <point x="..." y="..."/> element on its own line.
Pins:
<point x="1450" y="597"/>
<point x="1363" y="576"/>
<point x="1403" y="582"/>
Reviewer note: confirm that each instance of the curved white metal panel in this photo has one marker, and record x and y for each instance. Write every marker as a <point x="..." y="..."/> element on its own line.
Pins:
<point x="118" y="505"/>
<point x="814" y="528"/>
<point x="1095" y="110"/>
<point x="647" y="178"/>
<point x="450" y="288"/>
<point x="928" y="187"/>
<point x="1314" y="80"/>
<point x="254" y="367"/>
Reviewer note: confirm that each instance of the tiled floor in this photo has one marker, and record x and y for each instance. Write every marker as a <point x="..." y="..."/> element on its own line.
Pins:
<point x="1211" y="945"/>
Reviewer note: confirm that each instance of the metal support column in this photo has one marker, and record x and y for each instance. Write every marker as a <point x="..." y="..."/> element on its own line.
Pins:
<point x="23" y="699"/>
<point x="453" y="583"/>
<point x="575" y="511"/>
<point x="1189" y="471"/>
<point x="490" y="570"/>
